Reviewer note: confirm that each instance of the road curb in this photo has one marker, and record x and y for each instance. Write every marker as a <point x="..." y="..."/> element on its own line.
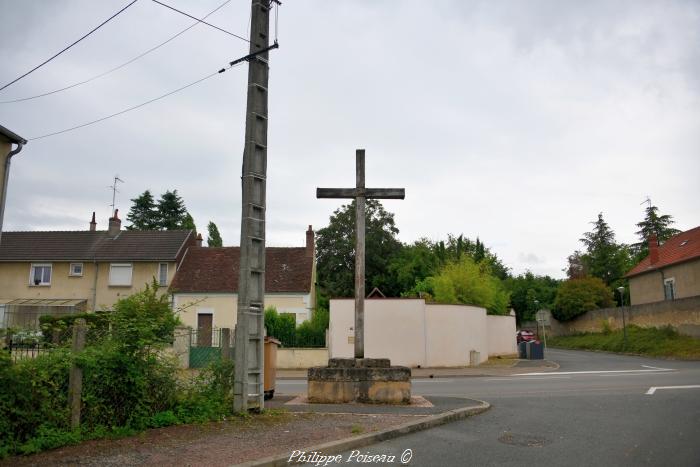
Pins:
<point x="341" y="445"/>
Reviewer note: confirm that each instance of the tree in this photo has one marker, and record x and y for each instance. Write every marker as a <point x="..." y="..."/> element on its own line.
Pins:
<point x="172" y="214"/>
<point x="469" y="283"/>
<point x="188" y="222"/>
<point x="527" y="288"/>
<point x="143" y="214"/>
<point x="604" y="258"/>
<point x="412" y="264"/>
<point x="653" y="224"/>
<point x="214" y="237"/>
<point x="335" y="250"/>
<point x="576" y="268"/>
<point x="577" y="296"/>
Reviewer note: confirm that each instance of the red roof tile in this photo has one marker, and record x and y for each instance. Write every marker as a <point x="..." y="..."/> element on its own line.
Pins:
<point x="679" y="248"/>
<point x="207" y="269"/>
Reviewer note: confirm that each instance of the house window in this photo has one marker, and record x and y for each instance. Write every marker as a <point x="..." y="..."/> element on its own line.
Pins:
<point x="120" y="274"/>
<point x="669" y="289"/>
<point x="163" y="274"/>
<point x="76" y="269"/>
<point x="40" y="274"/>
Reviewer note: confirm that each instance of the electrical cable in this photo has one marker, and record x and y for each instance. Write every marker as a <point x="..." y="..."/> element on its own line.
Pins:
<point x="201" y="21"/>
<point x="232" y="64"/>
<point x="48" y="93"/>
<point x="59" y="53"/>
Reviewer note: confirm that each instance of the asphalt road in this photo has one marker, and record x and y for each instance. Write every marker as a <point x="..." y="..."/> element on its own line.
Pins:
<point x="597" y="409"/>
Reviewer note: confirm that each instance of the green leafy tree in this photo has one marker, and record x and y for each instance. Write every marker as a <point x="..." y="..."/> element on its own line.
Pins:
<point x="335" y="245"/>
<point x="214" y="237"/>
<point x="143" y="214"/>
<point x="172" y="213"/>
<point x="604" y="257"/>
<point x="469" y="283"/>
<point x="577" y="296"/>
<point x="653" y="224"/>
<point x="526" y="289"/>
<point x="412" y="264"/>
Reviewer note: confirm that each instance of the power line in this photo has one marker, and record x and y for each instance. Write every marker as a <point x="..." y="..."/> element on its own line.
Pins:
<point x="59" y="53"/>
<point x="232" y="64"/>
<point x="119" y="66"/>
<point x="201" y="21"/>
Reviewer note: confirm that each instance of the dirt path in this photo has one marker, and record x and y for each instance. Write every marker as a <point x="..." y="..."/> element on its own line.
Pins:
<point x="215" y="444"/>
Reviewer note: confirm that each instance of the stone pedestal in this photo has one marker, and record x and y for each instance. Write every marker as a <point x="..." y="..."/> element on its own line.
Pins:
<point x="366" y="380"/>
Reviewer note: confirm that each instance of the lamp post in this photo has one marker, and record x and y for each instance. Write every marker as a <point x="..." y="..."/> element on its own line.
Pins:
<point x="621" y="290"/>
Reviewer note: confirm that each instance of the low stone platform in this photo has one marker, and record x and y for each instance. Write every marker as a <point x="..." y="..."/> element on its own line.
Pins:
<point x="365" y="380"/>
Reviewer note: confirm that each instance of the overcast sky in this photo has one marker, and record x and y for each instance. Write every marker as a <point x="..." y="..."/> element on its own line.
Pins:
<point x="514" y="121"/>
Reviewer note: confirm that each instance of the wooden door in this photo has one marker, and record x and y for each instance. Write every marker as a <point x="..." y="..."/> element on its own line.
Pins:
<point x="204" y="329"/>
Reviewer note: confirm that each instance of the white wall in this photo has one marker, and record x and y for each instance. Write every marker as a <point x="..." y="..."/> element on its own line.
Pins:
<point x="501" y="332"/>
<point x="452" y="332"/>
<point x="411" y="333"/>
<point x="301" y="358"/>
<point x="394" y="329"/>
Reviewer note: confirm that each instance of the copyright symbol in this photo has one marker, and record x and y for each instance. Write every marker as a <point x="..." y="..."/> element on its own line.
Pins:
<point x="406" y="456"/>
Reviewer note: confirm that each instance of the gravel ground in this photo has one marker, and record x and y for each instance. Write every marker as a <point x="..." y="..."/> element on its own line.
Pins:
<point x="216" y="444"/>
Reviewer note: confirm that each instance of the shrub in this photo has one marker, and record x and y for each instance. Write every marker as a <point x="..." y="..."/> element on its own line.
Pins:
<point x="469" y="283"/>
<point x="577" y="296"/>
<point x="129" y="383"/>
<point x="281" y="326"/>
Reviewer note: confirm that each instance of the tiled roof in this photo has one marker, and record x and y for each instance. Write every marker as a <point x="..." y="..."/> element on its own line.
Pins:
<point x="679" y="248"/>
<point x="129" y="245"/>
<point x="207" y="269"/>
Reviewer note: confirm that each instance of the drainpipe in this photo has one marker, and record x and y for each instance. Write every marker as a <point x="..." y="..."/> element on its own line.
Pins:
<point x="3" y="195"/>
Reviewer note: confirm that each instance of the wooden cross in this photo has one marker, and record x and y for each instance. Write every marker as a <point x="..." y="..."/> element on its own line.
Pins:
<point x="360" y="194"/>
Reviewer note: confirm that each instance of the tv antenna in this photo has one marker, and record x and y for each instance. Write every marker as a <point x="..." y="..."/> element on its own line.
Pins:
<point x="647" y="200"/>
<point x="115" y="191"/>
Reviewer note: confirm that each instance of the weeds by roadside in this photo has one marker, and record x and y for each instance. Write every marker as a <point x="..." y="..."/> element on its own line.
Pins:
<point x="652" y="342"/>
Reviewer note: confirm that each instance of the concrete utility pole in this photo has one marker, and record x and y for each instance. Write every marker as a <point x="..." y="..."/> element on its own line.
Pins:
<point x="248" y="351"/>
<point x="360" y="194"/>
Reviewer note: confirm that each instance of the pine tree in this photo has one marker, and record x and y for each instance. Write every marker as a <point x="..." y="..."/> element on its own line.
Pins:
<point x="172" y="214"/>
<point x="188" y="223"/>
<point x="604" y="258"/>
<point x="143" y="214"/>
<point x="653" y="224"/>
<point x="214" y="238"/>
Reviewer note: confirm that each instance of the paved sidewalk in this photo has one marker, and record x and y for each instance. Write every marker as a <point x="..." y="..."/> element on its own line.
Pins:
<point x="518" y="366"/>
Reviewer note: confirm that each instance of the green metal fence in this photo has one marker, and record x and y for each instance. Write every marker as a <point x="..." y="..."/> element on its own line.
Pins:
<point x="205" y="346"/>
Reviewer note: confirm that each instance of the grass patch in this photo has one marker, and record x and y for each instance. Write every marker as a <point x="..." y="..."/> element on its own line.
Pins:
<point x="652" y="342"/>
<point x="357" y="429"/>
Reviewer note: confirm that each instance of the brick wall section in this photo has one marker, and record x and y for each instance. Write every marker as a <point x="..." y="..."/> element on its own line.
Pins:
<point x="683" y="314"/>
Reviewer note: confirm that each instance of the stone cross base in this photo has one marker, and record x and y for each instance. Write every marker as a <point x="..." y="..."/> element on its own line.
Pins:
<point x="366" y="380"/>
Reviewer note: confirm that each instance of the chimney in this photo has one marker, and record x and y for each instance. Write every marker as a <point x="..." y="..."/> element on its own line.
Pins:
<point x="310" y="243"/>
<point x="199" y="239"/>
<point x="115" y="225"/>
<point x="93" y="224"/>
<point x="653" y="249"/>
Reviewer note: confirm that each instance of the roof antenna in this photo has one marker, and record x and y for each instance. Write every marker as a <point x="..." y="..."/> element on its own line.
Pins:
<point x="648" y="201"/>
<point x="115" y="191"/>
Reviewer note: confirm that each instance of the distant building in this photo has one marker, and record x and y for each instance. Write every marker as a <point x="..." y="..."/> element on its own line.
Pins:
<point x="670" y="271"/>
<point x="205" y="287"/>
<point x="63" y="272"/>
